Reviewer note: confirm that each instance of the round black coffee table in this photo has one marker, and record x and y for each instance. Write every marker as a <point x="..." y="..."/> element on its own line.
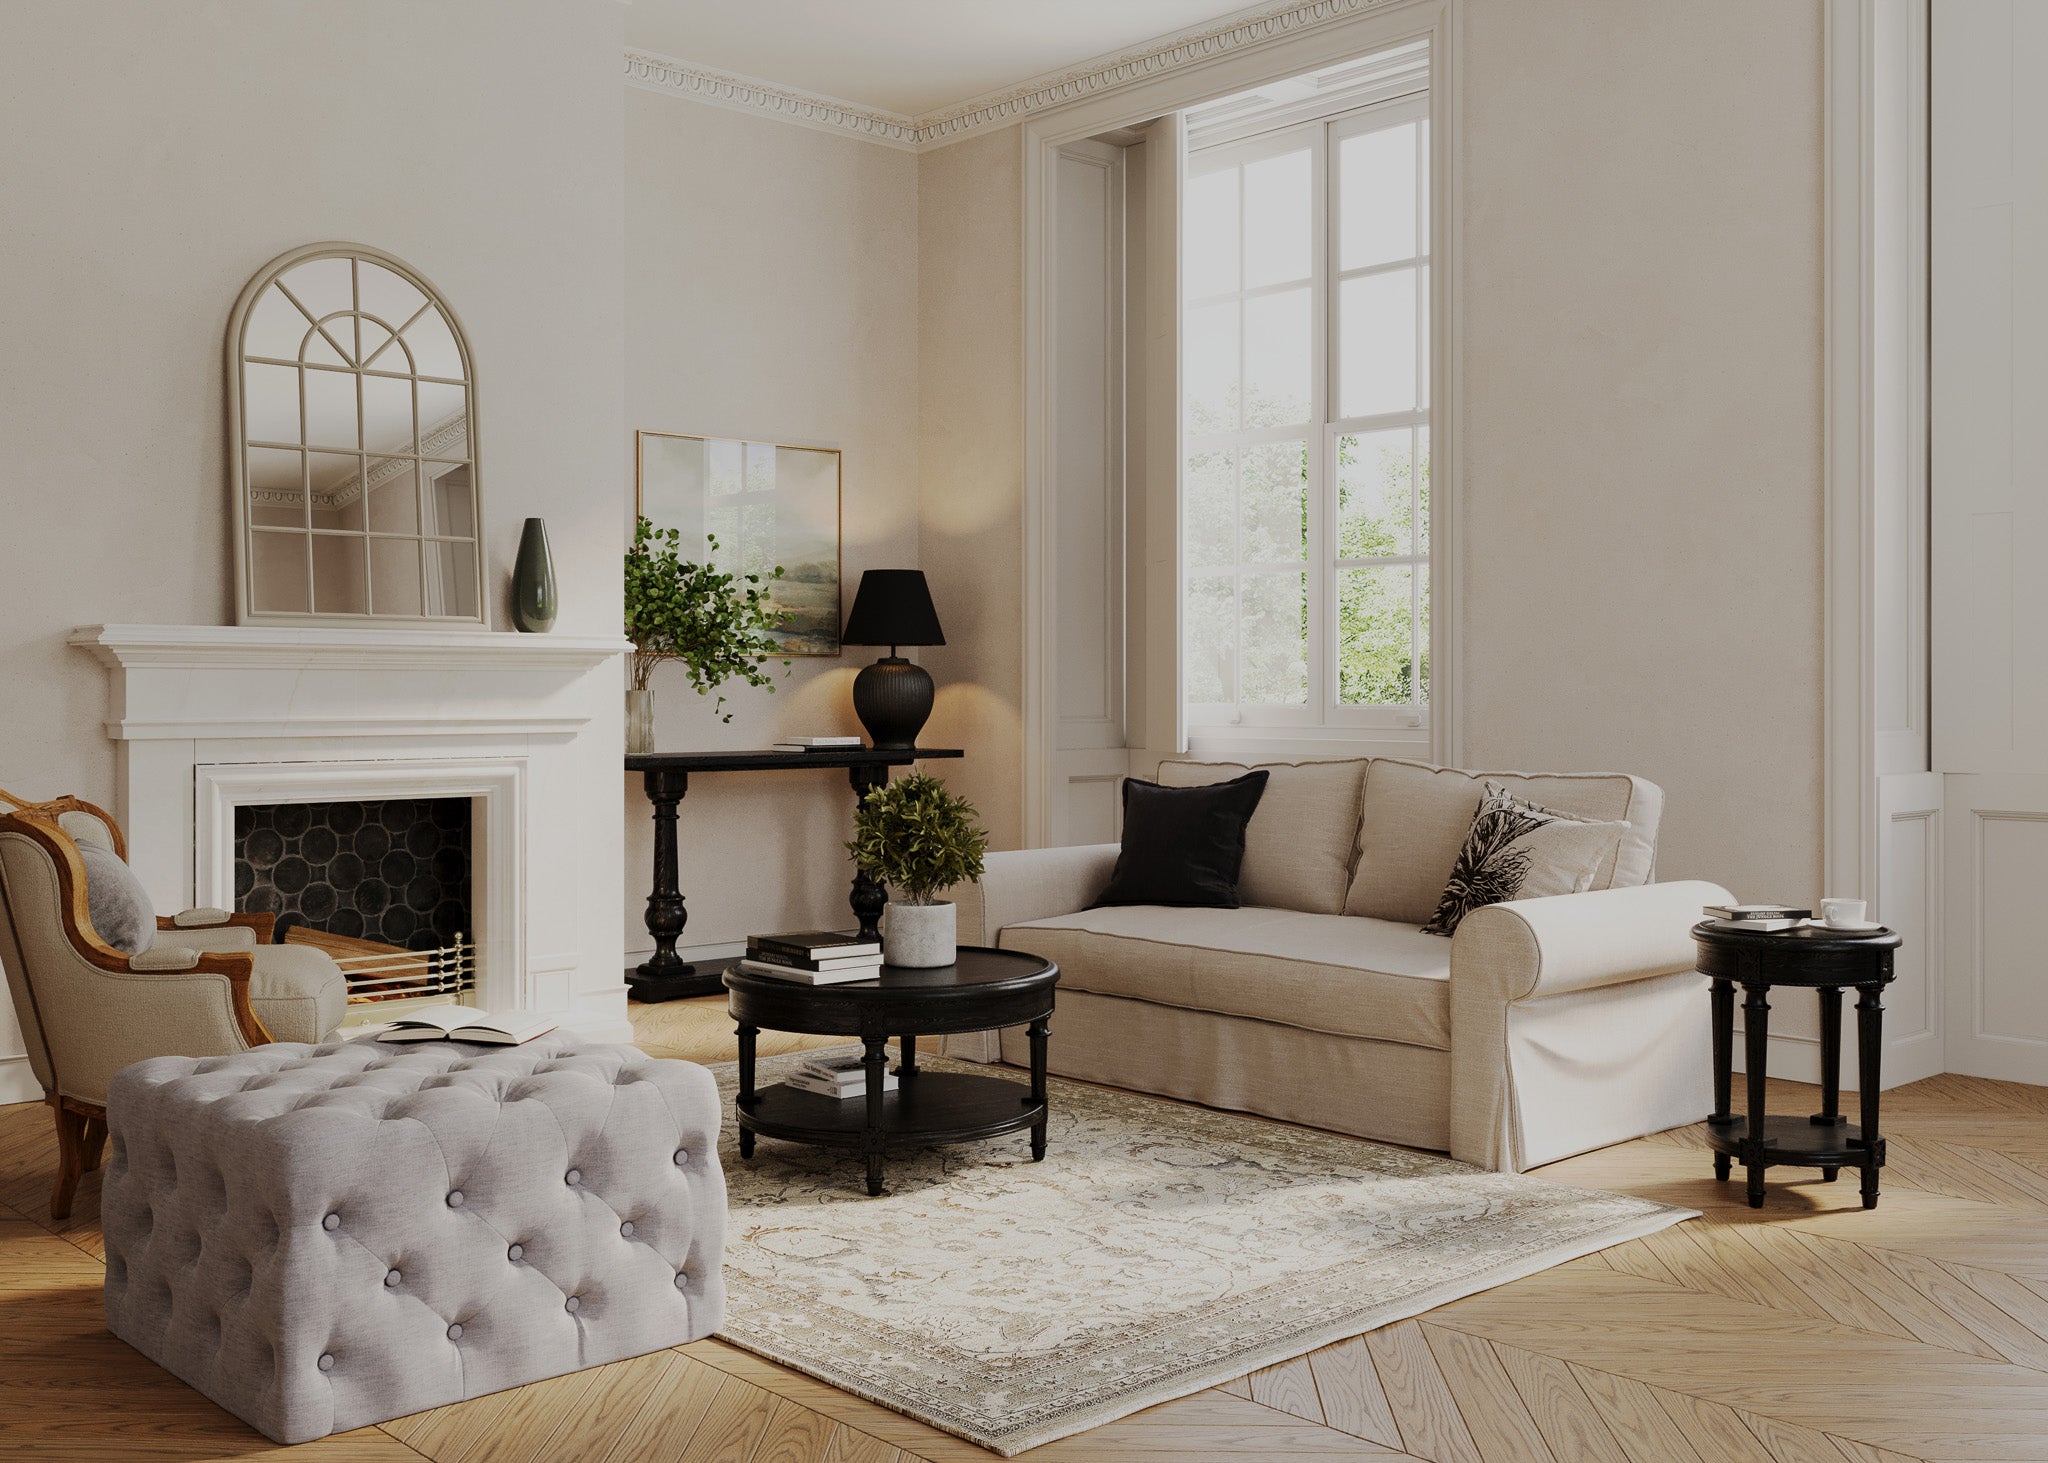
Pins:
<point x="982" y="990"/>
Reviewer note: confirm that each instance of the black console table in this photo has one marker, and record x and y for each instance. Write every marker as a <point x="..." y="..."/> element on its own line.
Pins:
<point x="666" y="976"/>
<point x="1822" y="960"/>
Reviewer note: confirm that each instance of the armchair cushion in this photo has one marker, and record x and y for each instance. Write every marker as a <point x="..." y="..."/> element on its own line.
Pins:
<point x="299" y="992"/>
<point x="116" y="902"/>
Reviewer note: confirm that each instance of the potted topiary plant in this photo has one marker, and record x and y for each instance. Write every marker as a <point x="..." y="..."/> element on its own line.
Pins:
<point x="717" y="625"/>
<point x="918" y="839"/>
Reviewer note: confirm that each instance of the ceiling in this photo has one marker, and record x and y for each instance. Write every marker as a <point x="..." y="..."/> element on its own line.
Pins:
<point x="909" y="57"/>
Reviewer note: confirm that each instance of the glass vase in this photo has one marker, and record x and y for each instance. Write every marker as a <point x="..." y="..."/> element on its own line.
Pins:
<point x="639" y="720"/>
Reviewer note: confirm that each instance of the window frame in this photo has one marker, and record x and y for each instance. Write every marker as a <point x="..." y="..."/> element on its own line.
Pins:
<point x="1322" y="716"/>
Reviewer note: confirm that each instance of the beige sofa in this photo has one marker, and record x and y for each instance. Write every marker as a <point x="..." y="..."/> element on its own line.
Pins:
<point x="1543" y="1028"/>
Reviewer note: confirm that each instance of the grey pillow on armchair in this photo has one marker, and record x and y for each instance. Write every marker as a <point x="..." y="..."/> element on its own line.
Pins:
<point x="116" y="902"/>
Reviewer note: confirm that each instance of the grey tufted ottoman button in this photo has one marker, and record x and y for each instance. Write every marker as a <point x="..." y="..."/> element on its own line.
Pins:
<point x="682" y="1280"/>
<point x="572" y="1305"/>
<point x="515" y="1252"/>
<point x="626" y="1229"/>
<point x="327" y="1361"/>
<point x="455" y="1199"/>
<point x="391" y="1278"/>
<point x="573" y="1176"/>
<point x="331" y="1223"/>
<point x="455" y="1332"/>
<point x="682" y="1157"/>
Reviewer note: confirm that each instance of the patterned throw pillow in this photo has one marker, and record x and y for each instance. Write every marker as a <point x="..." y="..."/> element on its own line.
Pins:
<point x="1517" y="850"/>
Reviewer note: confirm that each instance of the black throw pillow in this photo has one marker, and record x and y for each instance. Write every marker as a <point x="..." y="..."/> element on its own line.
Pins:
<point x="1183" y="845"/>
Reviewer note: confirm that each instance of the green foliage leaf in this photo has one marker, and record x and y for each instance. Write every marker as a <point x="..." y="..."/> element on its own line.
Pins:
<point x="917" y="838"/>
<point x="717" y="626"/>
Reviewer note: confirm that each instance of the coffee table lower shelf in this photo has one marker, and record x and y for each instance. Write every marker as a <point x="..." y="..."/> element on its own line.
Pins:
<point x="925" y="1109"/>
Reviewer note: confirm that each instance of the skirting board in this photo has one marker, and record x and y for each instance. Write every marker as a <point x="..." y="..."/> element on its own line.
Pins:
<point x="17" y="1082"/>
<point x="1797" y="1059"/>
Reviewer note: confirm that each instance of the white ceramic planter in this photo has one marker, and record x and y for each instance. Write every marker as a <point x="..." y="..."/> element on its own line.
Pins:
<point x="919" y="935"/>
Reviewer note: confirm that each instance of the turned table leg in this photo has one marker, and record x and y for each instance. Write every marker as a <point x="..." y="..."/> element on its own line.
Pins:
<point x="868" y="897"/>
<point x="1756" y="1035"/>
<point x="665" y="975"/>
<point x="1830" y="1114"/>
<point x="1040" y="1030"/>
<point x="746" y="1099"/>
<point x="1869" y="1055"/>
<point x="1724" y="1063"/>
<point x="872" y="1137"/>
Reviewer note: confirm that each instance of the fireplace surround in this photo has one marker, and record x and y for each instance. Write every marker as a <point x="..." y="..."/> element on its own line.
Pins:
<point x="528" y="728"/>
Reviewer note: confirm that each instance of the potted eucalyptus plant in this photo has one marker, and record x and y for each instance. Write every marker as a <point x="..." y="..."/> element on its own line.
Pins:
<point x="715" y="624"/>
<point x="918" y="839"/>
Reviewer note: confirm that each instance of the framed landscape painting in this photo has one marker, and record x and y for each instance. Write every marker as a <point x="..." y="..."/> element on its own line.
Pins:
<point x="767" y="505"/>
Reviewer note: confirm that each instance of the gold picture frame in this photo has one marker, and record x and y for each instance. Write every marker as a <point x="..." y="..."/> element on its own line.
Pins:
<point x="767" y="504"/>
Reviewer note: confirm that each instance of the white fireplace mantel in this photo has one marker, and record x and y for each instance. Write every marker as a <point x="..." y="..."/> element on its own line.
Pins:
<point x="207" y="716"/>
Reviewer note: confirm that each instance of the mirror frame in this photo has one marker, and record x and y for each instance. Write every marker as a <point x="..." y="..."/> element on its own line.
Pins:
<point x="246" y="612"/>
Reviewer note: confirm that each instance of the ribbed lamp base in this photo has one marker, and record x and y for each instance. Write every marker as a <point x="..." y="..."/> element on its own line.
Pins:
<point x="893" y="699"/>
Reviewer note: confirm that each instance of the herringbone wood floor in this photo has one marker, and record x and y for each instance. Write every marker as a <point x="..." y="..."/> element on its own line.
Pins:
<point x="1807" y="1332"/>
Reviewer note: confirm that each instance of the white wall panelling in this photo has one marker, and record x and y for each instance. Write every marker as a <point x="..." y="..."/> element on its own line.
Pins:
<point x="1086" y="352"/>
<point x="1996" y="986"/>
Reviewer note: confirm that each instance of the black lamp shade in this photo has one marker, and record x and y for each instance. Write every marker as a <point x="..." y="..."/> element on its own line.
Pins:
<point x="893" y="607"/>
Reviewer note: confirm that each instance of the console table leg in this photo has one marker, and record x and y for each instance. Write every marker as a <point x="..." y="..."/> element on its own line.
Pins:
<point x="1040" y="1030"/>
<point x="1830" y="1114"/>
<point x="665" y="975"/>
<point x="1869" y="1054"/>
<point x="1756" y="1034"/>
<point x="746" y="1098"/>
<point x="868" y="897"/>
<point x="874" y="1062"/>
<point x="1724" y="1062"/>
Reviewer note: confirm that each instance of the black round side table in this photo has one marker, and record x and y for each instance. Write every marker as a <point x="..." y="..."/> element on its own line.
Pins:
<point x="1827" y="962"/>
<point x="981" y="990"/>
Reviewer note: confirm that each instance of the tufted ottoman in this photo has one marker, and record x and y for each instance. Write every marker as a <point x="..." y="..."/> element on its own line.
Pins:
<point x="320" y="1237"/>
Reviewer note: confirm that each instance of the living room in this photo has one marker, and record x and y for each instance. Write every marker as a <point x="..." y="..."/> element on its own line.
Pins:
<point x="1318" y="544"/>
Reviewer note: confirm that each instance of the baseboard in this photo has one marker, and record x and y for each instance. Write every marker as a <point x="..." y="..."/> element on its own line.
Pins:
<point x="1797" y="1059"/>
<point x="17" y="1081"/>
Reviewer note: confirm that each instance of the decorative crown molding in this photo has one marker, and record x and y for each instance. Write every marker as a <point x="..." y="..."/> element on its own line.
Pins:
<point x="1005" y="106"/>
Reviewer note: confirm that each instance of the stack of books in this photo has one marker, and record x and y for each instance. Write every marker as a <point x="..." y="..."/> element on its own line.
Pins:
<point x="814" y="957"/>
<point x="1760" y="918"/>
<point x="841" y="1076"/>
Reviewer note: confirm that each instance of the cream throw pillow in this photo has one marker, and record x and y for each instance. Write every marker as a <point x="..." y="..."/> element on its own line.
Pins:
<point x="1517" y="850"/>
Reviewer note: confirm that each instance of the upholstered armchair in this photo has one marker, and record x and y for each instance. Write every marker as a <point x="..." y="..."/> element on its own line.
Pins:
<point x="202" y="983"/>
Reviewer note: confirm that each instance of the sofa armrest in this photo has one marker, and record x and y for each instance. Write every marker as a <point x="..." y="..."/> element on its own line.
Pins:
<point x="1508" y="960"/>
<point x="1031" y="883"/>
<point x="1532" y="948"/>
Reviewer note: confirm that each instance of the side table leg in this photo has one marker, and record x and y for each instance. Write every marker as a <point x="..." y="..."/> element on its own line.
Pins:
<point x="868" y="897"/>
<point x="906" y="1057"/>
<point x="746" y="1098"/>
<point x="1724" y="1062"/>
<point x="1830" y="1114"/>
<point x="1040" y="1030"/>
<point x="875" y="1062"/>
<point x="1869" y="1054"/>
<point x="1756" y="1035"/>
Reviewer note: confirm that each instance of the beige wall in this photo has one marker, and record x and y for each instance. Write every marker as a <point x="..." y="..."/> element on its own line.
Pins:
<point x="1641" y="277"/>
<point x="771" y="288"/>
<point x="1643" y="423"/>
<point x="971" y="461"/>
<point x="154" y="158"/>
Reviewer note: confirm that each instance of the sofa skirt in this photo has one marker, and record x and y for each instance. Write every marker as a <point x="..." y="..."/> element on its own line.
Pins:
<point x="1347" y="1084"/>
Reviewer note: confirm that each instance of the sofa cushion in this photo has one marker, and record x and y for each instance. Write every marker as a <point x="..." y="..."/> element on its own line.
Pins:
<point x="1183" y="845"/>
<point x="1297" y="849"/>
<point x="1413" y="820"/>
<point x="1321" y="972"/>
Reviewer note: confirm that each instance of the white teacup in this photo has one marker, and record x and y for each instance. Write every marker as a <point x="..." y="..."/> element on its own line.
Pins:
<point x="1843" y="913"/>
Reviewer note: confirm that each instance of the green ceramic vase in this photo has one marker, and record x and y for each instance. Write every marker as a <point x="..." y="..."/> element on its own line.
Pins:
<point x="533" y="580"/>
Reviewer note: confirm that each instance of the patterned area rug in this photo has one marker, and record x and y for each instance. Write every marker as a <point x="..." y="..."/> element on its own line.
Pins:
<point x="1158" y="1250"/>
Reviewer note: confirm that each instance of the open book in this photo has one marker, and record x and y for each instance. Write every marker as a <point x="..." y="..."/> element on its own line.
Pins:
<point x="467" y="1023"/>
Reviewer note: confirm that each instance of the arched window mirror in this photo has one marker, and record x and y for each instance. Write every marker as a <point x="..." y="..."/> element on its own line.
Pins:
<point x="352" y="429"/>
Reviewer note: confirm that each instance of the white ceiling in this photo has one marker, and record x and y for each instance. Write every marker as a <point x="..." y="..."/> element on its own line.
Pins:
<point x="905" y="56"/>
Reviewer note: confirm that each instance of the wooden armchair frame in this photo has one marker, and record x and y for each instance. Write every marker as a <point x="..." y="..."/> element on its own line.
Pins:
<point x="82" y="1124"/>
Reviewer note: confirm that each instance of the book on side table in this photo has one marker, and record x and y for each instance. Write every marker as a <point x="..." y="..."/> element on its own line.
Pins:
<point x="468" y="1023"/>
<point x="840" y="1077"/>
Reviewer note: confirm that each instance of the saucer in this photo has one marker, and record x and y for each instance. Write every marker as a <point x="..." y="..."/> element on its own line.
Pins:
<point x="1861" y="927"/>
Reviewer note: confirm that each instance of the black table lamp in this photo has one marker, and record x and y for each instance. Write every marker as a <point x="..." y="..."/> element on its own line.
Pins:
<point x="893" y="607"/>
